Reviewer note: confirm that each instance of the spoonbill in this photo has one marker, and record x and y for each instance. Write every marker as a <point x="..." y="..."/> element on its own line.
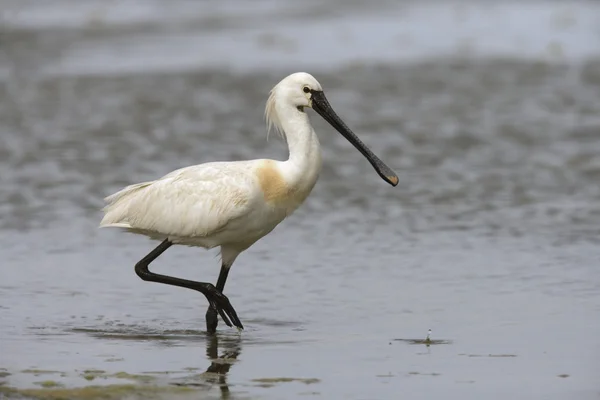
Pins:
<point x="231" y="205"/>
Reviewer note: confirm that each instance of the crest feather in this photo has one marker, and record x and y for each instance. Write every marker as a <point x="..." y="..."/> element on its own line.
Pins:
<point x="271" y="115"/>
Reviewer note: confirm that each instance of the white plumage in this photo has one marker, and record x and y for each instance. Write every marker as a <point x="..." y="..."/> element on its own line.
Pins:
<point x="192" y="202"/>
<point x="207" y="205"/>
<point x="234" y="204"/>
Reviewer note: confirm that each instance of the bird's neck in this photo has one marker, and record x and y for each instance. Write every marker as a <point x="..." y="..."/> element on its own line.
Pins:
<point x="304" y="163"/>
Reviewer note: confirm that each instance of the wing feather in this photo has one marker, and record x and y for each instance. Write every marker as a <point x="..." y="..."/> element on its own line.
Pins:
<point x="190" y="202"/>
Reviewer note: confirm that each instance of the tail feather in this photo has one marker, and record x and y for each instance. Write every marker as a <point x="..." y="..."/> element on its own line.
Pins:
<point x="116" y="206"/>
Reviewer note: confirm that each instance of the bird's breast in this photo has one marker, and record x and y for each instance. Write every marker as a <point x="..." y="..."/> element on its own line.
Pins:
<point x="280" y="192"/>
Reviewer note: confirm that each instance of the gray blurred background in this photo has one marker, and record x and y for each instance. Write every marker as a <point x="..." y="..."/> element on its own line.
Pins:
<point x="489" y="111"/>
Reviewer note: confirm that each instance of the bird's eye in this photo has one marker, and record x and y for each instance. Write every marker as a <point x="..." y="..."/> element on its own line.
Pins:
<point x="306" y="89"/>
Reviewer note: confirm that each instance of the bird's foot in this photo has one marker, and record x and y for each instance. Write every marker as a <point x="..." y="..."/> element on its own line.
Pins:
<point x="212" y="320"/>
<point x="219" y="303"/>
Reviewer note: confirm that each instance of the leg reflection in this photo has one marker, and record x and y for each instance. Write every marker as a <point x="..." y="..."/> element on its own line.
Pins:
<point x="221" y="365"/>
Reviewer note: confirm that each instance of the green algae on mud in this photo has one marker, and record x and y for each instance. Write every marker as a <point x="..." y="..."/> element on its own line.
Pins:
<point x="3" y="374"/>
<point x="133" y="377"/>
<point x="48" y="384"/>
<point x="270" y="382"/>
<point x="109" y="392"/>
<point x="308" y="381"/>
<point x="91" y="374"/>
<point x="37" y="372"/>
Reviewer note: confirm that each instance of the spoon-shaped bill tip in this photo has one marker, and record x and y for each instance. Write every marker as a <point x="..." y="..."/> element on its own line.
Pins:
<point x="323" y="108"/>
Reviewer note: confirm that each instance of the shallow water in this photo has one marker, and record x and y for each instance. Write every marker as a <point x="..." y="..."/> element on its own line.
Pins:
<point x="490" y="239"/>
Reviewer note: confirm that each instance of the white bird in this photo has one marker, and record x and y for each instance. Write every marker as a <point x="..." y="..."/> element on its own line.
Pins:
<point x="231" y="205"/>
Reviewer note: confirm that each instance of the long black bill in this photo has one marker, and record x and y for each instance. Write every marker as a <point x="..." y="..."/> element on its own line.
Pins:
<point x="322" y="106"/>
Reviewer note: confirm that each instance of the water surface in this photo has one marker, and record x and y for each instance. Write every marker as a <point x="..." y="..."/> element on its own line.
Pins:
<point x="490" y="239"/>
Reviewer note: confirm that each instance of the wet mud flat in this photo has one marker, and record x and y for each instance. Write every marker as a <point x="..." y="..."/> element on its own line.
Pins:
<point x="491" y="238"/>
<point x="385" y="367"/>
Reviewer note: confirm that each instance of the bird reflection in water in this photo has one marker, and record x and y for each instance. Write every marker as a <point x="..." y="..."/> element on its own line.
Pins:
<point x="219" y="366"/>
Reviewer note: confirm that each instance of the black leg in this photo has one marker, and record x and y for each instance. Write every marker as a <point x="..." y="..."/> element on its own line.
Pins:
<point x="215" y="298"/>
<point x="211" y="314"/>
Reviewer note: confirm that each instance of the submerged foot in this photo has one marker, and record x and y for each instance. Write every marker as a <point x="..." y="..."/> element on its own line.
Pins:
<point x="219" y="303"/>
<point x="212" y="320"/>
